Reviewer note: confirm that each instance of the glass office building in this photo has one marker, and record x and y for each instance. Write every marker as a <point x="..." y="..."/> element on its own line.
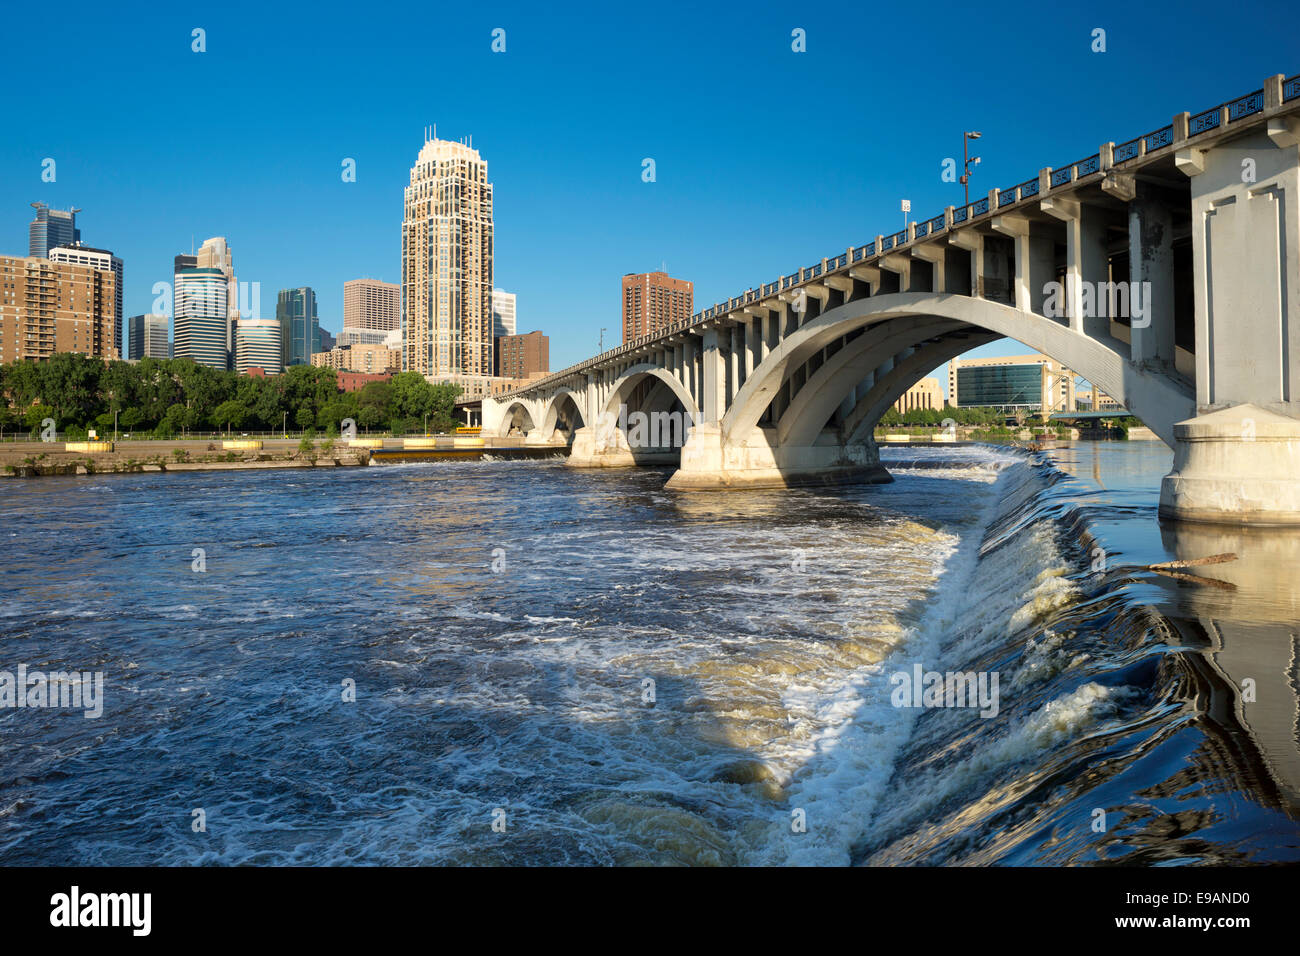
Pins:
<point x="299" y="327"/>
<point x="1001" y="386"/>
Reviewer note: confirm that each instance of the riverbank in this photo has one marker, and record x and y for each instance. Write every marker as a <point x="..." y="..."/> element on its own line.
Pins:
<point x="44" y="459"/>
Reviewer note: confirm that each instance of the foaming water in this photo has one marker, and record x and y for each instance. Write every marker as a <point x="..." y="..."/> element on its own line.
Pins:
<point x="617" y="673"/>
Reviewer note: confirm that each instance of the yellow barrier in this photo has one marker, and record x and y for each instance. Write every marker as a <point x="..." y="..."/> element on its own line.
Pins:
<point x="366" y="443"/>
<point x="242" y="444"/>
<point x="462" y="442"/>
<point x="88" y="446"/>
<point x="898" y="438"/>
<point x="427" y="442"/>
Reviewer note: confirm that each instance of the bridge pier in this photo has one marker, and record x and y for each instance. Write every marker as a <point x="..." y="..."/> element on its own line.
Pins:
<point x="711" y="463"/>
<point x="1239" y="465"/>
<point x="1238" y="460"/>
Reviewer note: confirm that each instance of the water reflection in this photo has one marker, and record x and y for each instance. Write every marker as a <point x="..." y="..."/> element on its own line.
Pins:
<point x="1252" y="622"/>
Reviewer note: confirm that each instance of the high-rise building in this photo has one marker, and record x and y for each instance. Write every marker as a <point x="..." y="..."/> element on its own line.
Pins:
<point x="1031" y="382"/>
<point x="202" y="316"/>
<point x="50" y="228"/>
<point x="523" y="356"/>
<point x="215" y="254"/>
<point x="48" y="307"/>
<point x="327" y="340"/>
<point x="652" y="301"/>
<point x="447" y="263"/>
<point x="503" y="313"/>
<point x="97" y="259"/>
<point x="258" y="345"/>
<point x="146" y="337"/>
<point x="371" y="304"/>
<point x="299" y="326"/>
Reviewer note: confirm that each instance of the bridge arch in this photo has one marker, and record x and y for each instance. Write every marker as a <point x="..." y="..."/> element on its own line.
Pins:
<point x="517" y="414"/>
<point x="1156" y="399"/>
<point x="656" y="398"/>
<point x="569" y="402"/>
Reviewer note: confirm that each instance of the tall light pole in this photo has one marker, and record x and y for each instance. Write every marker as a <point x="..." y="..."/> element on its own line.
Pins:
<point x="600" y="347"/>
<point x="968" y="161"/>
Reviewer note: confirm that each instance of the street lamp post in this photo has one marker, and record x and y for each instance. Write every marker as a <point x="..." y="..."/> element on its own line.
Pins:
<point x="968" y="161"/>
<point x="284" y="425"/>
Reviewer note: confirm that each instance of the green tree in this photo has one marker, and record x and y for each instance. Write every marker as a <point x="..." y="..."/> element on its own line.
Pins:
<point x="229" y="413"/>
<point x="70" y="386"/>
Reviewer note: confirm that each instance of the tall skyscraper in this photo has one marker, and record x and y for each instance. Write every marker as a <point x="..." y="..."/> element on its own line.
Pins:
<point x="295" y="310"/>
<point x="97" y="259"/>
<point x="215" y="254"/>
<point x="652" y="301"/>
<point x="50" y="228"/>
<point x="258" y="345"/>
<point x="447" y="263"/>
<point x="48" y="307"/>
<point x="202" y="316"/>
<point x="371" y="304"/>
<point x="503" y="313"/>
<point x="146" y="337"/>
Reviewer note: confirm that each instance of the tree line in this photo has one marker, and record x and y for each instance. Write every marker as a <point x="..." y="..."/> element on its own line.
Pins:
<point x="167" y="398"/>
<point x="969" y="415"/>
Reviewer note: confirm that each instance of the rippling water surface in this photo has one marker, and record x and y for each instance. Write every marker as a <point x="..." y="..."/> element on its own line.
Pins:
<point x="624" y="675"/>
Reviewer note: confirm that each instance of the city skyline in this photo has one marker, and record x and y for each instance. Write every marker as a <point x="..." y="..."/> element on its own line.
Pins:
<point x="563" y="187"/>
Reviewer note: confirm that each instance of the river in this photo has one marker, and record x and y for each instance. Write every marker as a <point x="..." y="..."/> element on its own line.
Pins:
<point x="519" y="663"/>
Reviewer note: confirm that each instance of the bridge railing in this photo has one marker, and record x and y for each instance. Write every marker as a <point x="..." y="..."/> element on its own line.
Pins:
<point x="1214" y="118"/>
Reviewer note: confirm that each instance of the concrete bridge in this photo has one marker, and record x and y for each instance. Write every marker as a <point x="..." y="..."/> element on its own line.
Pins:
<point x="1164" y="269"/>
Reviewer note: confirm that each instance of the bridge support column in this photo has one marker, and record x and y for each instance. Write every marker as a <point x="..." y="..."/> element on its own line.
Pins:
<point x="602" y="445"/>
<point x="1238" y="460"/>
<point x="1151" y="271"/>
<point x="712" y="463"/>
<point x="1035" y="262"/>
<point x="714" y="386"/>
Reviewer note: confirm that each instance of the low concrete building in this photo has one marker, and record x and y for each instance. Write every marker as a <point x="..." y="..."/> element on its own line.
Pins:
<point x="924" y="394"/>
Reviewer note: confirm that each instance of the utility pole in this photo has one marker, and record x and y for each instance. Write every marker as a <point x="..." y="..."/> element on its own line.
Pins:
<point x="601" y="346"/>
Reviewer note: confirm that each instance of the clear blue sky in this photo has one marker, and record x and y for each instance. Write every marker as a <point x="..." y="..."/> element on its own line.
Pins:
<point x="766" y="159"/>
